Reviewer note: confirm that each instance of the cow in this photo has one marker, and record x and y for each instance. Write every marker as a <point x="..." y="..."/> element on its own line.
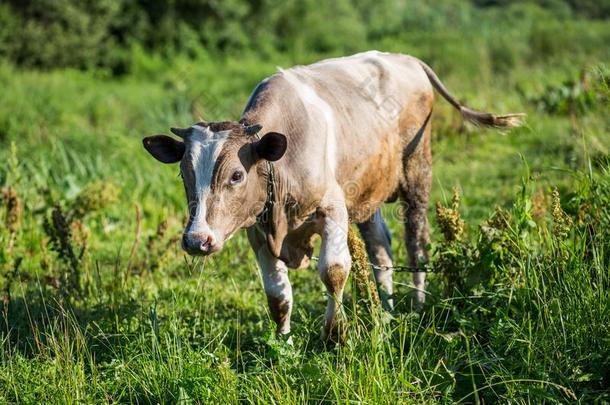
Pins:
<point x="318" y="147"/>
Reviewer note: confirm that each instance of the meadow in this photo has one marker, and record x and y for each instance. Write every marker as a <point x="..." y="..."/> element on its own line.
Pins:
<point x="100" y="304"/>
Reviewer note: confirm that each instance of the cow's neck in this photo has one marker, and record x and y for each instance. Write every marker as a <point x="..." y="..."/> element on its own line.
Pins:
<point x="265" y="218"/>
<point x="272" y="219"/>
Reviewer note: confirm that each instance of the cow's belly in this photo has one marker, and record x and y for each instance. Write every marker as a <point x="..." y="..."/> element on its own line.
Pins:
<point x="363" y="206"/>
<point x="297" y="247"/>
<point x="373" y="179"/>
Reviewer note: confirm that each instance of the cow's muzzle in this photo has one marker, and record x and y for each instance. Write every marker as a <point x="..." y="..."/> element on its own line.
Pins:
<point x="200" y="243"/>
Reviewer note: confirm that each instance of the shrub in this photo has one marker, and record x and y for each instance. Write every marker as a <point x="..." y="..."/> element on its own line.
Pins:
<point x="574" y="96"/>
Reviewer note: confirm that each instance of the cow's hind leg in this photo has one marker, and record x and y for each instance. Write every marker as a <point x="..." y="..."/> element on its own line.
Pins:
<point x="275" y="281"/>
<point x="378" y="243"/>
<point x="416" y="194"/>
<point x="335" y="262"/>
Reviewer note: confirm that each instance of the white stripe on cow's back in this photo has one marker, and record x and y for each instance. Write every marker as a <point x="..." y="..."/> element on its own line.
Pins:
<point x="311" y="98"/>
<point x="351" y="58"/>
<point x="204" y="147"/>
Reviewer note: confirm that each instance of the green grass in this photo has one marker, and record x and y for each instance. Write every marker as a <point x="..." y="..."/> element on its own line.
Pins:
<point x="529" y="323"/>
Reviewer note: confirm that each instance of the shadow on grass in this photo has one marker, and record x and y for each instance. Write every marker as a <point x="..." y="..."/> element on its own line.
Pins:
<point x="36" y="321"/>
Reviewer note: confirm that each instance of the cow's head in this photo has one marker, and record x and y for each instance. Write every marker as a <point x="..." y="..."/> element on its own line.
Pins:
<point x="222" y="165"/>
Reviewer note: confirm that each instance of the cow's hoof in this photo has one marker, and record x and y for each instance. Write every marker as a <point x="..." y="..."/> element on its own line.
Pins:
<point x="418" y="301"/>
<point x="335" y="334"/>
<point x="285" y="337"/>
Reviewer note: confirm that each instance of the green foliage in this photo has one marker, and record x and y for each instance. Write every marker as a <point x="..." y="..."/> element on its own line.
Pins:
<point x="94" y="197"/>
<point x="575" y="96"/>
<point x="105" y="34"/>
<point x="60" y="33"/>
<point x="517" y="278"/>
<point x="68" y="235"/>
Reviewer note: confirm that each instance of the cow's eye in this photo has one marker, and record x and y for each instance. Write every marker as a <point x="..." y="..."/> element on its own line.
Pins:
<point x="237" y="177"/>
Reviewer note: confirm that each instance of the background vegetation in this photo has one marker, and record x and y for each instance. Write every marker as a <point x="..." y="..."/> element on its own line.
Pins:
<point x="99" y="304"/>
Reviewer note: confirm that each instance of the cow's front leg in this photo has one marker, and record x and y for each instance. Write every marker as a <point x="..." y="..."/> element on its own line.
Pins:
<point x="334" y="265"/>
<point x="275" y="282"/>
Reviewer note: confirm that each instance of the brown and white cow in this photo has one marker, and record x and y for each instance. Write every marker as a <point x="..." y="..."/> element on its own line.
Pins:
<point x="345" y="135"/>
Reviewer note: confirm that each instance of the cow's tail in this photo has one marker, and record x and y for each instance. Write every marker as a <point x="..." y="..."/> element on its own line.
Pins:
<point x="476" y="117"/>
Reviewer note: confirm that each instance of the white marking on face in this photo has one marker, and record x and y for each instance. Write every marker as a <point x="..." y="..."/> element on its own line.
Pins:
<point x="203" y="149"/>
<point x="311" y="98"/>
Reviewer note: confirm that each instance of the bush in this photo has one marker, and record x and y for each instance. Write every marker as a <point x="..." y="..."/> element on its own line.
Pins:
<point x="87" y="34"/>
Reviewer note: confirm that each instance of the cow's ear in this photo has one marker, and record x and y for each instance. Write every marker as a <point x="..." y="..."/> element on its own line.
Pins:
<point x="271" y="147"/>
<point x="164" y="148"/>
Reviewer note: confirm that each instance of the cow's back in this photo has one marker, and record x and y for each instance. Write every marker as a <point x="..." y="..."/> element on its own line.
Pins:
<point x="347" y="121"/>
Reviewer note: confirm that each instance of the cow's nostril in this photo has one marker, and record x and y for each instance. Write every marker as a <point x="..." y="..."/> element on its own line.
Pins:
<point x="206" y="245"/>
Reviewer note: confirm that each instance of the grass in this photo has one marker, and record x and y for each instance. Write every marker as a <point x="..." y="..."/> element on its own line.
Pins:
<point x="521" y="312"/>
